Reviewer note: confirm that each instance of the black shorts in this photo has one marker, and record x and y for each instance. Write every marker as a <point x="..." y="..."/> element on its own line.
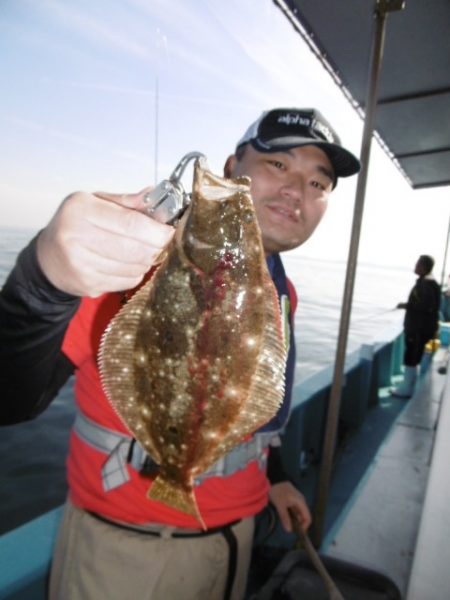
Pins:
<point x="414" y="347"/>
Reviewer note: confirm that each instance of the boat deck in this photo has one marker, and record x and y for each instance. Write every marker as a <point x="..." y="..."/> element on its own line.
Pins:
<point x="379" y="526"/>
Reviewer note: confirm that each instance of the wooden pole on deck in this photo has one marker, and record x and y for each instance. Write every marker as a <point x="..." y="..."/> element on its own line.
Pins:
<point x="444" y="262"/>
<point x="382" y="7"/>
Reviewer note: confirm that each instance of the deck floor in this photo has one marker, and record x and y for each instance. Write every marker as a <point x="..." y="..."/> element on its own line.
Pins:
<point x="380" y="530"/>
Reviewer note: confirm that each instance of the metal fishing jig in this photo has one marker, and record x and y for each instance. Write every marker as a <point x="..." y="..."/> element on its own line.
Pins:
<point x="168" y="201"/>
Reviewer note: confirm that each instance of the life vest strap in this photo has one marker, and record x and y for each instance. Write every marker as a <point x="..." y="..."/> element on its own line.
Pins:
<point x="123" y="450"/>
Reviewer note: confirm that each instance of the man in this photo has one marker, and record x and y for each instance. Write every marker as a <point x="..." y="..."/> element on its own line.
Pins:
<point x="114" y="542"/>
<point x="421" y="322"/>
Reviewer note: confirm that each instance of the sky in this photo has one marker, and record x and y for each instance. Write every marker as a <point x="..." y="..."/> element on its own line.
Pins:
<point x="109" y="95"/>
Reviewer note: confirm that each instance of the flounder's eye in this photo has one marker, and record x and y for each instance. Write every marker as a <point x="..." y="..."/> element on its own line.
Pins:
<point x="172" y="430"/>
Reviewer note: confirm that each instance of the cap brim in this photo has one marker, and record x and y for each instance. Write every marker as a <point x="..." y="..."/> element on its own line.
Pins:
<point x="344" y="162"/>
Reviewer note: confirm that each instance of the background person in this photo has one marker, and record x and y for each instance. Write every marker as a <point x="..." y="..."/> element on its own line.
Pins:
<point x="66" y="286"/>
<point x="421" y="322"/>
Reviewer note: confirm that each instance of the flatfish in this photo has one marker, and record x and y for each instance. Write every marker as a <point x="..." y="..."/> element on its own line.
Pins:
<point x="194" y="362"/>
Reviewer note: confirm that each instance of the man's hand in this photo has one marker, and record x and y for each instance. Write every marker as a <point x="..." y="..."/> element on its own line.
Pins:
<point x="98" y="243"/>
<point x="284" y="495"/>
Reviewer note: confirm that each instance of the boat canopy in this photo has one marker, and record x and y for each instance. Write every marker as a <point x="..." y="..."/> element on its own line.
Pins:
<point x="405" y="104"/>
<point x="412" y="120"/>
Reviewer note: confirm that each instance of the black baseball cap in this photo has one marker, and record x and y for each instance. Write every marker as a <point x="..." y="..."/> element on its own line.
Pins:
<point x="284" y="128"/>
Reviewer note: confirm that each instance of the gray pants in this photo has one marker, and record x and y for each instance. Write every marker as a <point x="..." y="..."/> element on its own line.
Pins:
<point x="94" y="560"/>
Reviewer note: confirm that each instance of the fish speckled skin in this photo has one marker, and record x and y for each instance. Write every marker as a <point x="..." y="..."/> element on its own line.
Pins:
<point x="195" y="361"/>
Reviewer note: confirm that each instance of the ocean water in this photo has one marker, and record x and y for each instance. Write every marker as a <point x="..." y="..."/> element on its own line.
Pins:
<point x="32" y="454"/>
<point x="320" y="287"/>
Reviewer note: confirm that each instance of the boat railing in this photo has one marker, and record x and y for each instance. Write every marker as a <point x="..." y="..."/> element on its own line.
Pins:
<point x="369" y="369"/>
<point x="25" y="552"/>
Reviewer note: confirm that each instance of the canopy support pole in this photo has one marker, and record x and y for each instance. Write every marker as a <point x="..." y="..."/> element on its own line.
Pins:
<point x="382" y="7"/>
<point x="444" y="262"/>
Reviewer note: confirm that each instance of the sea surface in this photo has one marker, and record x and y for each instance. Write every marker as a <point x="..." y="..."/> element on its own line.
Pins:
<point x="32" y="454"/>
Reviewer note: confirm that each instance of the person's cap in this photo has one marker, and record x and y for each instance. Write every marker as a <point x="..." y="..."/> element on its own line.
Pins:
<point x="285" y="128"/>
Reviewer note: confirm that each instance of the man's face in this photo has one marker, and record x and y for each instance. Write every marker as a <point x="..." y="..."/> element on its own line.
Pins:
<point x="420" y="268"/>
<point x="290" y="191"/>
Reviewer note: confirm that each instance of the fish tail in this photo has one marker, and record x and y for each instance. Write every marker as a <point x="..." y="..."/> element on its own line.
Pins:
<point x="176" y="496"/>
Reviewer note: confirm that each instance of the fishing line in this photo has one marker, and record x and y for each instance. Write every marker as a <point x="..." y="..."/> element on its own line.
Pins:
<point x="373" y="315"/>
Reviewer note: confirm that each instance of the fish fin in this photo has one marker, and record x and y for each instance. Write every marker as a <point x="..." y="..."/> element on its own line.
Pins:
<point x="161" y="257"/>
<point x="266" y="392"/>
<point x="175" y="496"/>
<point x="116" y="366"/>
